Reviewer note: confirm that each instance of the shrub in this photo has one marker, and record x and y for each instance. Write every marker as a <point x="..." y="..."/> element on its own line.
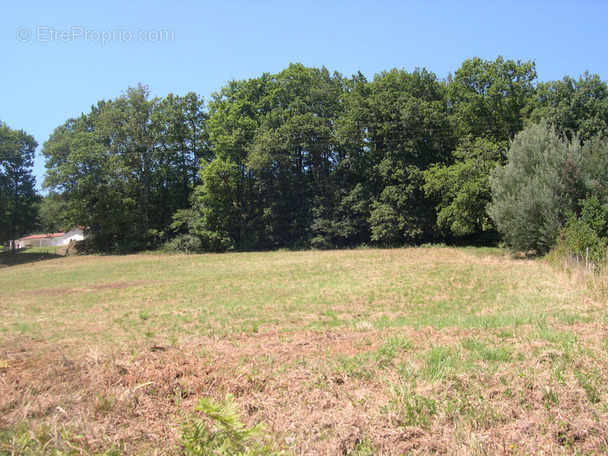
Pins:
<point x="184" y="243"/>
<point x="533" y="193"/>
<point x="588" y="231"/>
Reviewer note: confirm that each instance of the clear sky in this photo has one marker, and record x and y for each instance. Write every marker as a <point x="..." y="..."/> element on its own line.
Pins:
<point x="61" y="57"/>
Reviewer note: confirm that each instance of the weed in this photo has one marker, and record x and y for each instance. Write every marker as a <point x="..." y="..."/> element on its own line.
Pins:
<point x="355" y="366"/>
<point x="25" y="441"/>
<point x="505" y="334"/>
<point x="361" y="365"/>
<point x="472" y="408"/>
<point x="362" y="448"/>
<point x="465" y="315"/>
<point x="485" y="352"/>
<point x="559" y="372"/>
<point x="571" y="318"/>
<point x="566" y="339"/>
<point x="442" y="288"/>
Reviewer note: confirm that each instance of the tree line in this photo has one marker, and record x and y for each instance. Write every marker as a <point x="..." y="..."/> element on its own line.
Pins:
<point x="309" y="159"/>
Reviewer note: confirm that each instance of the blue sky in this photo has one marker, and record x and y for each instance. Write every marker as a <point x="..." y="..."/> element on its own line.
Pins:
<point x="55" y="65"/>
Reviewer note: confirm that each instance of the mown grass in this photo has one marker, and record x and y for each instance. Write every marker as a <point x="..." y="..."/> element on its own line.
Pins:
<point x="132" y="298"/>
<point x="420" y="350"/>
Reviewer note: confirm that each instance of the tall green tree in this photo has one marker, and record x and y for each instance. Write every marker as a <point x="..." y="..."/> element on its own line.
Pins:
<point x="127" y="166"/>
<point x="489" y="104"/>
<point x="295" y="154"/>
<point x="18" y="197"/>
<point x="595" y="168"/>
<point x="342" y="217"/>
<point x="463" y="188"/>
<point x="218" y="223"/>
<point x="491" y="99"/>
<point x="407" y="130"/>
<point x="235" y="115"/>
<point x="53" y="213"/>
<point x="91" y="179"/>
<point x="574" y="107"/>
<point x="182" y="141"/>
<point x="278" y="131"/>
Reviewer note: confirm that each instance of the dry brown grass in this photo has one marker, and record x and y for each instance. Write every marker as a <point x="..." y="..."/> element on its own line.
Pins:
<point x="531" y="386"/>
<point x="291" y="382"/>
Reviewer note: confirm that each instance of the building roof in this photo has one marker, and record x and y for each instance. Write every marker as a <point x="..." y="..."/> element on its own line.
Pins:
<point x="41" y="236"/>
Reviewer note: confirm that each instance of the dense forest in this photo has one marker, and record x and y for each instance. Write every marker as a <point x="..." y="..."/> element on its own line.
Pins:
<point x="309" y="159"/>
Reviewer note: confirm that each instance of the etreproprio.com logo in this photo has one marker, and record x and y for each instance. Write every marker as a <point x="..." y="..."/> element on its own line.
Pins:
<point x="46" y="34"/>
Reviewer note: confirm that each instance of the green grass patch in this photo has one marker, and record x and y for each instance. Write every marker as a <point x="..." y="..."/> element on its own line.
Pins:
<point x="486" y="351"/>
<point x="126" y="297"/>
<point x="440" y="362"/>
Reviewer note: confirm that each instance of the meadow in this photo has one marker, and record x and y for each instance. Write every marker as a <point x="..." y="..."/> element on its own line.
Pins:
<point x="405" y="351"/>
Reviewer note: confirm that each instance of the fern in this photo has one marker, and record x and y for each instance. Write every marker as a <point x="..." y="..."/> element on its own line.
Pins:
<point x="229" y="435"/>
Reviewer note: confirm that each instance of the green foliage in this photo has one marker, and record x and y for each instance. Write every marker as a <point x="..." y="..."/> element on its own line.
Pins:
<point x="53" y="213"/>
<point x="18" y="198"/>
<point x="407" y="130"/>
<point x="328" y="162"/>
<point x="463" y="188"/>
<point x="277" y="132"/>
<point x="587" y="231"/>
<point x="187" y="243"/>
<point x="216" y="196"/>
<point x="574" y="107"/>
<point x="595" y="168"/>
<point x="595" y="215"/>
<point x="490" y="98"/>
<point x="538" y="186"/>
<point x="305" y="158"/>
<point x="127" y="166"/>
<point x="227" y="436"/>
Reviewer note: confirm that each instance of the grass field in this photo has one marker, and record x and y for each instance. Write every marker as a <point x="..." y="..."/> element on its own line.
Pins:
<point x="405" y="351"/>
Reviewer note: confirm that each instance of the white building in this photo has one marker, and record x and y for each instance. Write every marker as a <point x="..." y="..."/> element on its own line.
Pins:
<point x="50" y="239"/>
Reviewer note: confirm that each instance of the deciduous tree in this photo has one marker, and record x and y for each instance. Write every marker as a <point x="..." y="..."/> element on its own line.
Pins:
<point x="127" y="166"/>
<point x="463" y="188"/>
<point x="574" y="107"/>
<point x="18" y="197"/>
<point x="490" y="99"/>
